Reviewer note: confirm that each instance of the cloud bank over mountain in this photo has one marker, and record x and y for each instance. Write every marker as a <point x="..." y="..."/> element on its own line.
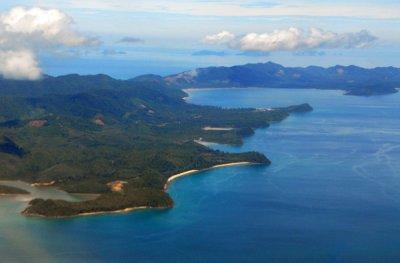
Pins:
<point x="26" y="32"/>
<point x="292" y="39"/>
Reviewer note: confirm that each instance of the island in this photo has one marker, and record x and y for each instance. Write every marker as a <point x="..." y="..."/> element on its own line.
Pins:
<point x="121" y="139"/>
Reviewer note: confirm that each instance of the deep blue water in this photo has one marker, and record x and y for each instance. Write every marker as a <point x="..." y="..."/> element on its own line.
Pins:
<point x="332" y="194"/>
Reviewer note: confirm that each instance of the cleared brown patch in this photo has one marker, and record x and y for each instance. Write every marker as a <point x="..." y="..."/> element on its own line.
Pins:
<point x="208" y="128"/>
<point x="37" y="123"/>
<point x="99" y="122"/>
<point x="117" y="186"/>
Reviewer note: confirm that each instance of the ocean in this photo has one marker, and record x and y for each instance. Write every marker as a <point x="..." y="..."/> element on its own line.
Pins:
<point x="331" y="194"/>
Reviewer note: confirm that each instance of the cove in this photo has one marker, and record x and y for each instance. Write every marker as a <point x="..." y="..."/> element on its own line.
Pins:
<point x="330" y="195"/>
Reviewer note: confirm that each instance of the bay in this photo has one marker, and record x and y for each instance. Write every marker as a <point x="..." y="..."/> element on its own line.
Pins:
<point x="332" y="194"/>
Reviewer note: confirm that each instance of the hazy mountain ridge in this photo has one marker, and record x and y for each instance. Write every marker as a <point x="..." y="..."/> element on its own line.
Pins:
<point x="352" y="79"/>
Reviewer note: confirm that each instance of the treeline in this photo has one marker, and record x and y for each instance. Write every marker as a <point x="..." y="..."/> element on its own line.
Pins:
<point x="144" y="197"/>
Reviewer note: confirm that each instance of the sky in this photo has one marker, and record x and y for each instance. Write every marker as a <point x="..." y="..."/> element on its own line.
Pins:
<point x="127" y="38"/>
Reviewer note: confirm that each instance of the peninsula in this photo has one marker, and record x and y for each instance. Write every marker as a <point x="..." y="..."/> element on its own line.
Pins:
<point x="119" y="139"/>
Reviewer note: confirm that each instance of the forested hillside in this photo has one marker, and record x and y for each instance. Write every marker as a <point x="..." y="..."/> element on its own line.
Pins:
<point x="138" y="132"/>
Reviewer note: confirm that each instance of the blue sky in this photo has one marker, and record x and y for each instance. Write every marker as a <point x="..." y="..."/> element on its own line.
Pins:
<point x="168" y="36"/>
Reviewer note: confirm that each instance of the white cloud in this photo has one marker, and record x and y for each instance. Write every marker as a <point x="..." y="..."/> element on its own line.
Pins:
<point x="293" y="39"/>
<point x="222" y="37"/>
<point x="19" y="64"/>
<point x="24" y="32"/>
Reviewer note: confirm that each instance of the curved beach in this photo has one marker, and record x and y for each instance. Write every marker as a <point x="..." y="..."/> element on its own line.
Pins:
<point x="176" y="176"/>
<point x="166" y="186"/>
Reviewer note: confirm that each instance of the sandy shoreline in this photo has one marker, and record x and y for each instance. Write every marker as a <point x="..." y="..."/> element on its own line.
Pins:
<point x="166" y="186"/>
<point x="43" y="184"/>
<point x="224" y="88"/>
<point x="121" y="211"/>
<point x="190" y="172"/>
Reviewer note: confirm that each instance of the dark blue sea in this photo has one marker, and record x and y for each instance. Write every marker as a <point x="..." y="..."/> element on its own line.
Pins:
<point x="332" y="194"/>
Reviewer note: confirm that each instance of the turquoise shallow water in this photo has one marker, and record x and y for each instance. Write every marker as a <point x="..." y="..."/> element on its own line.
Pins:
<point x="332" y="194"/>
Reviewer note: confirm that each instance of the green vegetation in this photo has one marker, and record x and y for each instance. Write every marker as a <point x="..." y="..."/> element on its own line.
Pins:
<point x="140" y="132"/>
<point x="10" y="190"/>
<point x="352" y="79"/>
<point x="144" y="197"/>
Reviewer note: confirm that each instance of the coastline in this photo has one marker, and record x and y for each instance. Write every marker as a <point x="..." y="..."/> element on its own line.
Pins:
<point x="224" y="88"/>
<point x="120" y="211"/>
<point x="48" y="184"/>
<point x="132" y="209"/>
<point x="190" y="172"/>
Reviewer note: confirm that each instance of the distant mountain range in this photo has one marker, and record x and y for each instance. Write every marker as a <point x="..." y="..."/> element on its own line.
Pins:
<point x="352" y="79"/>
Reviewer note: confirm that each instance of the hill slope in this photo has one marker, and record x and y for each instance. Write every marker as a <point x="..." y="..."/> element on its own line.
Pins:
<point x="136" y="132"/>
<point x="354" y="80"/>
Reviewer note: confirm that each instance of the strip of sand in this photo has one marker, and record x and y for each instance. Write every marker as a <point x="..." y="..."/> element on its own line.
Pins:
<point x="126" y="210"/>
<point x="208" y="128"/>
<point x="176" y="176"/>
<point x="166" y="186"/>
<point x="226" y="88"/>
<point x="43" y="184"/>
